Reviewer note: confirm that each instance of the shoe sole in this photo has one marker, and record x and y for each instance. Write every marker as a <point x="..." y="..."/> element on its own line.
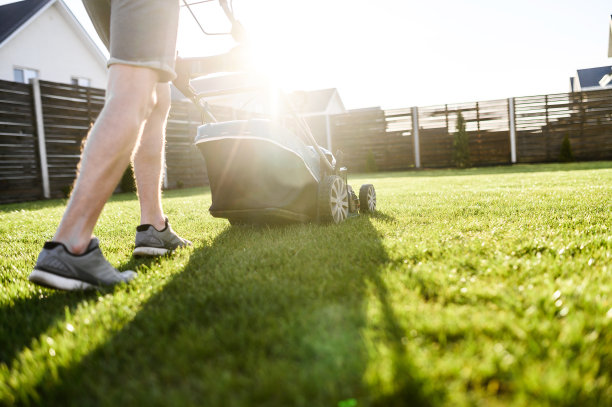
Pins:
<point x="150" y="251"/>
<point x="47" y="279"/>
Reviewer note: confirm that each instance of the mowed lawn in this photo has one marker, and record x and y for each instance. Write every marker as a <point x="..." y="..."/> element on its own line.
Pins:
<point x="488" y="286"/>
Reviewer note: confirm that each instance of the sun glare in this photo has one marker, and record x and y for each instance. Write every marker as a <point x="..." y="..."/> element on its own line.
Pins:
<point x="288" y="40"/>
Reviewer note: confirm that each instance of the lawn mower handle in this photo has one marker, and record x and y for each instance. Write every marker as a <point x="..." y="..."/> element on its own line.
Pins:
<point x="232" y="61"/>
<point x="190" y="68"/>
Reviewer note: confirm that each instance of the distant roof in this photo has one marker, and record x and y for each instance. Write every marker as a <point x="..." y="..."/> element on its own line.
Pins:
<point x="14" y="15"/>
<point x="313" y="101"/>
<point x="590" y="77"/>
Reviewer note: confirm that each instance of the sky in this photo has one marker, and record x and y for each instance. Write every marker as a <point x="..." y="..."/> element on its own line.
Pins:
<point x="402" y="53"/>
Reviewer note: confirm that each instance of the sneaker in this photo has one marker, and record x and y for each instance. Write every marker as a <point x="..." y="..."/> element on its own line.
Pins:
<point x="57" y="267"/>
<point x="153" y="242"/>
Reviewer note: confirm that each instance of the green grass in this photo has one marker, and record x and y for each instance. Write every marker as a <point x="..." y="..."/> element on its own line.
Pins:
<point x="488" y="286"/>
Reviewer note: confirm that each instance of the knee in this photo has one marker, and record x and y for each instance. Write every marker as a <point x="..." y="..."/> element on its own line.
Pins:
<point x="130" y="110"/>
<point x="131" y="93"/>
<point x="163" y="99"/>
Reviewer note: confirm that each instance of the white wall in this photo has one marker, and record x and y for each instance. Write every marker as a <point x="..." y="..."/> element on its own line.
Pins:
<point x="55" y="48"/>
<point x="335" y="105"/>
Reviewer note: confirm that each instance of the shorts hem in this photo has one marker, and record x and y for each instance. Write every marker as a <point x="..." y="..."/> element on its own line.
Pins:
<point x="166" y="72"/>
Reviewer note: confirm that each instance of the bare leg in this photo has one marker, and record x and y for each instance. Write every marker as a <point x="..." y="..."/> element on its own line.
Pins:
<point x="130" y="94"/>
<point x="149" y="160"/>
<point x="154" y="237"/>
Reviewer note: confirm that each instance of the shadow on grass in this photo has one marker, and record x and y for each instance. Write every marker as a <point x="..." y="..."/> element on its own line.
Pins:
<point x="262" y="316"/>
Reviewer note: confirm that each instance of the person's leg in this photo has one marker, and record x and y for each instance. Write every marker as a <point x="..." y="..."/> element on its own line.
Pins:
<point x="107" y="151"/>
<point x="154" y="236"/>
<point x="149" y="160"/>
<point x="142" y="54"/>
<point x="73" y="260"/>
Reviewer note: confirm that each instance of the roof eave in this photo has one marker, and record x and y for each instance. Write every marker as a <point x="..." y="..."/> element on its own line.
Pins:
<point x="335" y="95"/>
<point x="28" y="22"/>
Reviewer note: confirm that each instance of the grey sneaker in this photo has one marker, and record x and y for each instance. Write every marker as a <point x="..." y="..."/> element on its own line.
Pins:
<point x="153" y="242"/>
<point x="57" y="268"/>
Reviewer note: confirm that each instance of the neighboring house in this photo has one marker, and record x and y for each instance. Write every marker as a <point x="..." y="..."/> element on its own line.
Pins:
<point x="42" y="39"/>
<point x="244" y="92"/>
<point x="594" y="78"/>
<point x="588" y="79"/>
<point x="317" y="107"/>
<point x="248" y="93"/>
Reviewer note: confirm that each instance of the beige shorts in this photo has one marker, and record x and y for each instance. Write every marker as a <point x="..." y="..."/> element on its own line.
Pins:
<point x="138" y="32"/>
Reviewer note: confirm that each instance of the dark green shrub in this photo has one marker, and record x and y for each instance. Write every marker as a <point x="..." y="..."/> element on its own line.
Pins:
<point x="127" y="183"/>
<point x="461" y="147"/>
<point x="370" y="164"/>
<point x="566" y="155"/>
<point x="67" y="190"/>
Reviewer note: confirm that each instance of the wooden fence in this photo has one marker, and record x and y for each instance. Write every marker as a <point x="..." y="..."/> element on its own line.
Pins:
<point x="362" y="137"/>
<point x="526" y="129"/>
<point x="42" y="127"/>
<point x="68" y="112"/>
<point x="185" y="166"/>
<point x="47" y="145"/>
<point x="543" y="121"/>
<point x="20" y="176"/>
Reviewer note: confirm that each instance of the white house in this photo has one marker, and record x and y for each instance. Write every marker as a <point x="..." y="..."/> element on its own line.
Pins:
<point x="317" y="107"/>
<point x="42" y="38"/>
<point x="590" y="78"/>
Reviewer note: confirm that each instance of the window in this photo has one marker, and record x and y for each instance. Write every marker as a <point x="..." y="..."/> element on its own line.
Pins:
<point x="80" y="81"/>
<point x="23" y="75"/>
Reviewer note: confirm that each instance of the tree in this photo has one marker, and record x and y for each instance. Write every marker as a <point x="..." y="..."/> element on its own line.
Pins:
<point x="461" y="147"/>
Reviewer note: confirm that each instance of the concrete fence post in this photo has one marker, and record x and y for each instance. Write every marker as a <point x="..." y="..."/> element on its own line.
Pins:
<point x="40" y="132"/>
<point x="415" y="134"/>
<point x="165" y="169"/>
<point x="512" y="122"/>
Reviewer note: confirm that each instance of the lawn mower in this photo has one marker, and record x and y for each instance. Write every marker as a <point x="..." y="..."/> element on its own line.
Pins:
<point x="263" y="171"/>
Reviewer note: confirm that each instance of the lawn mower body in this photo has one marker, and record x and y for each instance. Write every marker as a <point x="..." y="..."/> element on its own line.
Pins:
<point x="259" y="172"/>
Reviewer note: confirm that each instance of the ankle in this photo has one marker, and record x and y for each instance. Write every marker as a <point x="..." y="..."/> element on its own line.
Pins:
<point x="158" y="222"/>
<point x="74" y="246"/>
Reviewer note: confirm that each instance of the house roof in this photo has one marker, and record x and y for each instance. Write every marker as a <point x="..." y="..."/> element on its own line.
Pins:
<point x="314" y="101"/>
<point x="590" y="77"/>
<point x="17" y="15"/>
<point x="14" y="15"/>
